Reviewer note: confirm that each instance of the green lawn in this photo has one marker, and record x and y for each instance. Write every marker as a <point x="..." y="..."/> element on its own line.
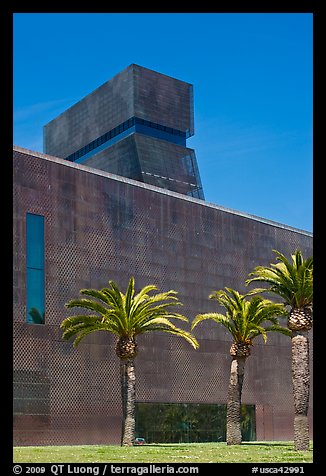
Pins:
<point x="249" y="452"/>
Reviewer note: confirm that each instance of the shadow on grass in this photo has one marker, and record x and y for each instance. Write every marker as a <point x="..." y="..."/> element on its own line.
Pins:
<point x="164" y="445"/>
<point x="186" y="445"/>
<point x="269" y="443"/>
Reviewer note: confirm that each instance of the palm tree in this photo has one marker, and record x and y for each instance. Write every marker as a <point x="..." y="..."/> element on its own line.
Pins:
<point x="125" y="315"/>
<point x="243" y="319"/>
<point x="293" y="282"/>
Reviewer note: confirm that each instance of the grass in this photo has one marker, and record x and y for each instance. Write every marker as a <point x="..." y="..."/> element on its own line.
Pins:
<point x="248" y="452"/>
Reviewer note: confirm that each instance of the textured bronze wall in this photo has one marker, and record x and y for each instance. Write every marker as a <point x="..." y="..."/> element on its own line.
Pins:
<point x="100" y="227"/>
<point x="135" y="91"/>
<point x="163" y="99"/>
<point x="156" y="162"/>
<point x="94" y="115"/>
<point x="148" y="95"/>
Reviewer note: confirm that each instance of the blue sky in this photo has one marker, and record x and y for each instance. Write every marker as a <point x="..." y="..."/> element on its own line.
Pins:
<point x="252" y="77"/>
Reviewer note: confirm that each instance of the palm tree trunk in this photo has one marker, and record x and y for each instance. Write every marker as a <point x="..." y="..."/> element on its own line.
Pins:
<point x="301" y="384"/>
<point x="128" y="393"/>
<point x="233" y="414"/>
<point x="123" y="380"/>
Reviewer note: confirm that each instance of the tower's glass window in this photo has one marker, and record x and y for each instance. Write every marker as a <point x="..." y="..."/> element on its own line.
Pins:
<point x="35" y="299"/>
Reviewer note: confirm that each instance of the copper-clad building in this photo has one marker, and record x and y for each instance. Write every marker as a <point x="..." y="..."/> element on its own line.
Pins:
<point x="77" y="224"/>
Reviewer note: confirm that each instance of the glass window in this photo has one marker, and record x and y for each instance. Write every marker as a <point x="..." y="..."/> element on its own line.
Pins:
<point x="35" y="245"/>
<point x="35" y="294"/>
<point x="189" y="422"/>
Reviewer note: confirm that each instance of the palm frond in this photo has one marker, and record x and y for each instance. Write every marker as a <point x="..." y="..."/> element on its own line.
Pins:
<point x="113" y="299"/>
<point x="277" y="328"/>
<point x="257" y="330"/>
<point x="245" y="314"/>
<point x="81" y="319"/>
<point x="87" y="304"/>
<point x="129" y="295"/>
<point x="116" y="294"/>
<point x="126" y="314"/>
<point x="292" y="281"/>
<point x="231" y="303"/>
<point x="270" y="311"/>
<point x="149" y="306"/>
<point x="164" y="325"/>
<point x="216" y="317"/>
<point x="286" y="267"/>
<point x="278" y="281"/>
<point x="86" y="332"/>
<point x="75" y="324"/>
<point x="143" y="293"/>
<point x="140" y="303"/>
<point x="97" y="294"/>
<point x="255" y="291"/>
<point x="157" y="321"/>
<point x="297" y="259"/>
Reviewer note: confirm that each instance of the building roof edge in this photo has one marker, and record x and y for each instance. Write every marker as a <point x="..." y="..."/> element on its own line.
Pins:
<point x="154" y="188"/>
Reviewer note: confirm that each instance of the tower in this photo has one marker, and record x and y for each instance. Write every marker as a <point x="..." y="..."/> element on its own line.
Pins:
<point x="135" y="125"/>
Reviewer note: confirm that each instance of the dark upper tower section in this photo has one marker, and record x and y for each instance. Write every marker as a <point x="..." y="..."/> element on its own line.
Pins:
<point x="134" y="125"/>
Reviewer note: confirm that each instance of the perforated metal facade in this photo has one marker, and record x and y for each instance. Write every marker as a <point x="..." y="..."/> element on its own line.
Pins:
<point x="135" y="125"/>
<point x="99" y="226"/>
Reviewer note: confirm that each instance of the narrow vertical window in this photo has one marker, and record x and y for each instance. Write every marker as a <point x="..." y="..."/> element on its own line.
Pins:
<point x="35" y="299"/>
